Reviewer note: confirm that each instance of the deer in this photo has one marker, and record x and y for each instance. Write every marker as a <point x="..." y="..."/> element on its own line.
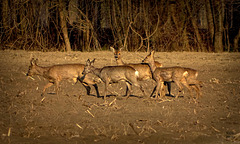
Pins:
<point x="119" y="61"/>
<point x="56" y="73"/>
<point x="180" y="75"/>
<point x="143" y="68"/>
<point x="114" y="74"/>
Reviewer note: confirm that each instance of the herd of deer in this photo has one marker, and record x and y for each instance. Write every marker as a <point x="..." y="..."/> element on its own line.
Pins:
<point x="130" y="73"/>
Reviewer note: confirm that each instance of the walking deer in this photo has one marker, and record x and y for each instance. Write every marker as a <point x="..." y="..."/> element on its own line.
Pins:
<point x="180" y="75"/>
<point x="114" y="74"/>
<point x="143" y="68"/>
<point x="56" y="73"/>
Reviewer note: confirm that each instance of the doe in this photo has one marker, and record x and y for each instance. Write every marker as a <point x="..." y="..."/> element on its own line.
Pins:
<point x="114" y="74"/>
<point x="56" y="73"/>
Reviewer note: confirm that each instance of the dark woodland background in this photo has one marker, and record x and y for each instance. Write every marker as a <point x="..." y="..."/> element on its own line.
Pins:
<point x="135" y="25"/>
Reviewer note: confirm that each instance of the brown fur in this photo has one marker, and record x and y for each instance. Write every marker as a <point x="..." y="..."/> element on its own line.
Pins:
<point x="114" y="74"/>
<point x="180" y="75"/>
<point x="56" y="73"/>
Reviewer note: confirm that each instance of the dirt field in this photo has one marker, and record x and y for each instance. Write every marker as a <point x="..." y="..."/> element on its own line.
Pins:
<point x="74" y="117"/>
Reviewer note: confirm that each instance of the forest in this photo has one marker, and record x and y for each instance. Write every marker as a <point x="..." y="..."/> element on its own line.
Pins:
<point x="134" y="25"/>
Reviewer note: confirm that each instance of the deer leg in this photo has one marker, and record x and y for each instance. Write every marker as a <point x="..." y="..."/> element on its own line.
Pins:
<point x="154" y="89"/>
<point x="140" y="87"/>
<point x="185" y="83"/>
<point x="162" y="90"/>
<point x="85" y="84"/>
<point x="129" y="89"/>
<point x="197" y="89"/>
<point x="57" y="87"/>
<point x="87" y="87"/>
<point x="46" y="86"/>
<point x="196" y="85"/>
<point x="168" y="87"/>
<point x="105" y="91"/>
<point x="96" y="88"/>
<point x="126" y="90"/>
<point x="180" y="88"/>
<point x="157" y="88"/>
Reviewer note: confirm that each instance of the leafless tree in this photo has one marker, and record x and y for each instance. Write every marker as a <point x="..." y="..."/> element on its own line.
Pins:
<point x="136" y="25"/>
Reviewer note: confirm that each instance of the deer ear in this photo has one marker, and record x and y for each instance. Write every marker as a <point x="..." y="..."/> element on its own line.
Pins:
<point x="92" y="62"/>
<point x="120" y="49"/>
<point x="152" y="52"/>
<point x="36" y="61"/>
<point x="33" y="61"/>
<point x="112" y="48"/>
<point x="88" y="62"/>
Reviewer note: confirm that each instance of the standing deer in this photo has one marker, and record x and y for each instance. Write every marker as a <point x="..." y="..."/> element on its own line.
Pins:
<point x="180" y="75"/>
<point x="56" y="73"/>
<point x="114" y="74"/>
<point x="143" y="68"/>
<point x="118" y="58"/>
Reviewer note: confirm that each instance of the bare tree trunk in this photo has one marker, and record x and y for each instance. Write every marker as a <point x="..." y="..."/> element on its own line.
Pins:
<point x="236" y="40"/>
<point x="5" y="18"/>
<point x="218" y="43"/>
<point x="186" y="45"/>
<point x="156" y="42"/>
<point x="72" y="11"/>
<point x="63" y="24"/>
<point x="91" y="34"/>
<point x="180" y="20"/>
<point x="168" y="22"/>
<point x="210" y="19"/>
<point x="5" y="11"/>
<point x="201" y="46"/>
<point x="86" y="39"/>
<point x="86" y="33"/>
<point x="146" y="22"/>
<point x="116" y="23"/>
<point x="125" y="23"/>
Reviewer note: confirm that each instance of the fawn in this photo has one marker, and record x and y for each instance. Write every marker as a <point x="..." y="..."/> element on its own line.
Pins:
<point x="54" y="74"/>
<point x="180" y="75"/>
<point x="114" y="74"/>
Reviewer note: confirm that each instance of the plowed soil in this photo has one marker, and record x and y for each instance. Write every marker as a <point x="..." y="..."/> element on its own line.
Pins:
<point x="72" y="116"/>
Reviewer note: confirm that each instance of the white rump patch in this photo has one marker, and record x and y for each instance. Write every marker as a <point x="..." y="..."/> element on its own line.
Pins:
<point x="196" y="74"/>
<point x="185" y="74"/>
<point x="137" y="73"/>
